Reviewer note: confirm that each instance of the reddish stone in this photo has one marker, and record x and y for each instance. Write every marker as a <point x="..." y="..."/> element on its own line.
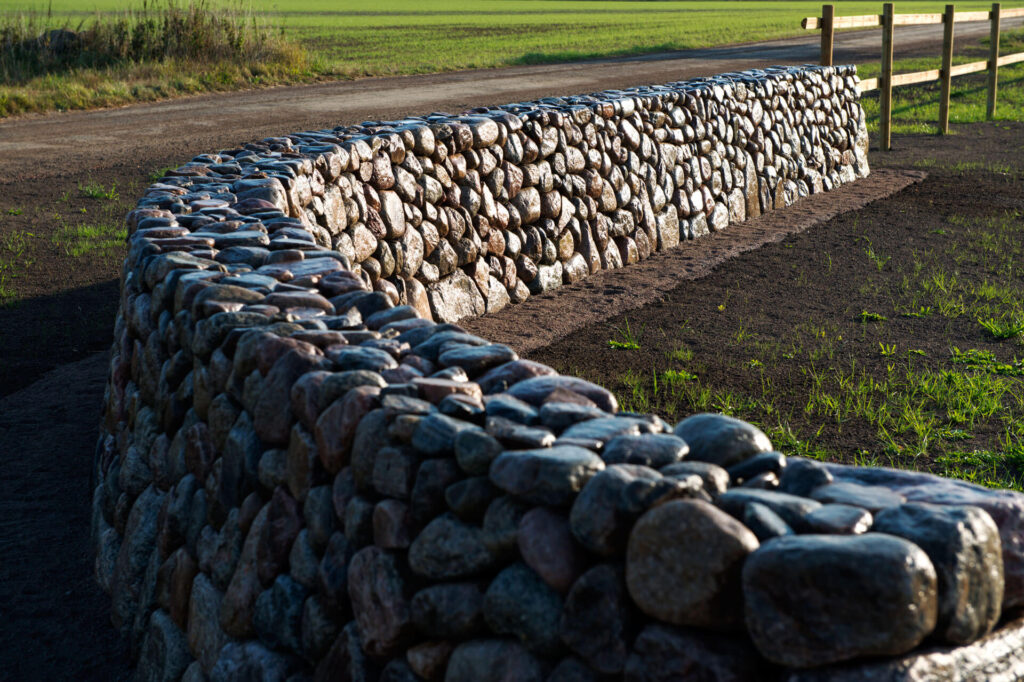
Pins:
<point x="435" y="390"/>
<point x="336" y="427"/>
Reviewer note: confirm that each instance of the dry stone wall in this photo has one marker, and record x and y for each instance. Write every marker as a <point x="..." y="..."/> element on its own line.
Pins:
<point x="308" y="471"/>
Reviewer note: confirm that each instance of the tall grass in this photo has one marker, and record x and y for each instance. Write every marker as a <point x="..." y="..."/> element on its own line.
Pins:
<point x="48" y="62"/>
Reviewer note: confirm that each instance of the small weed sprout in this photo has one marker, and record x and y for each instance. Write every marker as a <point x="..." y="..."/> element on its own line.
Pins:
<point x="865" y="316"/>
<point x="1001" y="329"/>
<point x="628" y="340"/>
<point x="95" y="190"/>
<point x="887" y="349"/>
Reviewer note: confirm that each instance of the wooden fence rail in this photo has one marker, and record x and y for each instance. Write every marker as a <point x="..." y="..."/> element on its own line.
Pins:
<point x="827" y="23"/>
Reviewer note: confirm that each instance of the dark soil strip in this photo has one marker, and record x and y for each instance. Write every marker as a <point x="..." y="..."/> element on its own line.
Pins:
<point x="55" y="620"/>
<point x="543" y="319"/>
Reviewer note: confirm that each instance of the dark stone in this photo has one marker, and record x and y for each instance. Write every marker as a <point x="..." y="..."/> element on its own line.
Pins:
<point x="361" y="357"/>
<point x="667" y="654"/>
<point x="449" y="549"/>
<point x="963" y="545"/>
<point x="452" y="610"/>
<point x="714" y="477"/>
<point x="503" y="405"/>
<point x="477" y="359"/>
<point x="346" y="661"/>
<point x="764" y="523"/>
<point x="605" y="510"/>
<point x="475" y="450"/>
<point x="721" y="440"/>
<point x="550" y="476"/>
<point x="462" y="407"/>
<point x="547" y="546"/>
<point x="683" y="564"/>
<point x="766" y="462"/>
<point x="379" y="602"/>
<point x="838" y="519"/>
<point x="560" y="416"/>
<point x="501" y="526"/>
<point x="1004" y="506"/>
<point x="516" y="435"/>
<point x="251" y="661"/>
<point x="603" y="429"/>
<point x="871" y="497"/>
<point x="597" y="619"/>
<point x="843" y="573"/>
<point x="571" y="669"/>
<point x="427" y="498"/>
<point x="470" y="497"/>
<point x="791" y="508"/>
<point x="537" y="390"/>
<point x="802" y="476"/>
<point x="435" y="434"/>
<point x="520" y="604"/>
<point x="492" y="660"/>
<point x="278" y="615"/>
<point x="655" y="450"/>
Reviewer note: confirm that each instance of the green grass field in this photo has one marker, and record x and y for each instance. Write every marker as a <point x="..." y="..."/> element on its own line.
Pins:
<point x="402" y="37"/>
<point x="348" y="39"/>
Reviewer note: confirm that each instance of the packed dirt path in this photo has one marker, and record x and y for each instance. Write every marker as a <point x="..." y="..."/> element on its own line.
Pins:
<point x="45" y="146"/>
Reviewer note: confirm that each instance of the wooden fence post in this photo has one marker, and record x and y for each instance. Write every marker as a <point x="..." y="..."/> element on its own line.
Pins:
<point x="885" y="81"/>
<point x="947" y="66"/>
<point x="993" y="63"/>
<point x="828" y="13"/>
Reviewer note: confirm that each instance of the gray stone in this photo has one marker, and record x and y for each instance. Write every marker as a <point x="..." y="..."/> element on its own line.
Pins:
<point x="842" y="573"/>
<point x="963" y="545"/>
<point x="714" y="477"/>
<point x="550" y="476"/>
<point x="683" y="564"/>
<point x="455" y="297"/>
<point x="720" y="439"/>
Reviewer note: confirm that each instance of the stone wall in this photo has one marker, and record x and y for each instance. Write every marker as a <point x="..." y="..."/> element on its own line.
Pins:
<point x="307" y="471"/>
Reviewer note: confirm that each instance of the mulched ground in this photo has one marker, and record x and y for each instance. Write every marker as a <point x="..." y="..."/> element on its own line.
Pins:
<point x="54" y="623"/>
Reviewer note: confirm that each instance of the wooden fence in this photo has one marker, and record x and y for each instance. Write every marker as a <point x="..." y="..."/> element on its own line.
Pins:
<point x="827" y="23"/>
